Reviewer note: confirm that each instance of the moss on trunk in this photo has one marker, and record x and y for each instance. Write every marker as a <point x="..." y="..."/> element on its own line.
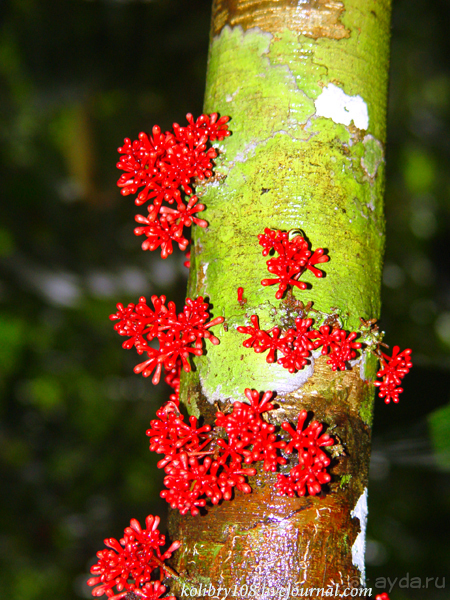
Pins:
<point x="305" y="86"/>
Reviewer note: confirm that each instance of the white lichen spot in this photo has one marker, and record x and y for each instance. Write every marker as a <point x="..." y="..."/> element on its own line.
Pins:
<point x="359" y="547"/>
<point x="216" y="396"/>
<point x="292" y="382"/>
<point x="333" y="103"/>
<point x="221" y="393"/>
<point x="230" y="97"/>
<point x="362" y="367"/>
<point x="360" y="363"/>
<point x="275" y="379"/>
<point x="278" y="379"/>
<point x="204" y="268"/>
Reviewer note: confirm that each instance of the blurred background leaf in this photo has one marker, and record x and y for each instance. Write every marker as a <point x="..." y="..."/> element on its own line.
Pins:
<point x="76" y="77"/>
<point x="439" y="423"/>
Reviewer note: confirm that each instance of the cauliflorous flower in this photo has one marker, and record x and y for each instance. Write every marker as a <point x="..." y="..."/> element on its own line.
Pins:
<point x="393" y="369"/>
<point x="178" y="335"/>
<point x="310" y="473"/>
<point x="202" y="466"/>
<point x="165" y="165"/>
<point x="240" y="296"/>
<point x="295" y="345"/>
<point x="149" y="591"/>
<point x="128" y="564"/>
<point x="294" y="257"/>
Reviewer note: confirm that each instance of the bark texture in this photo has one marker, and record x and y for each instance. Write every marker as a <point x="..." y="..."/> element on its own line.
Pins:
<point x="305" y="85"/>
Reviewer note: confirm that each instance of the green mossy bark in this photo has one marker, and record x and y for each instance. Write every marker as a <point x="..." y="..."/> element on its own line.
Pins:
<point x="285" y="167"/>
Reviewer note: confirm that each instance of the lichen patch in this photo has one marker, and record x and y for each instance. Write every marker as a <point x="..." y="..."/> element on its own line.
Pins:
<point x="333" y="103"/>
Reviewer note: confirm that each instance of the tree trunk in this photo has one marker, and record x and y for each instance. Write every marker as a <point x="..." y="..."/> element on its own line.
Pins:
<point x="305" y="85"/>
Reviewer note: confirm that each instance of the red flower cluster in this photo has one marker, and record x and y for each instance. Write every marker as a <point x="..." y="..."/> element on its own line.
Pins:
<point x="200" y="465"/>
<point x="149" y="591"/>
<point x="294" y="257"/>
<point x="179" y="335"/>
<point x="193" y="472"/>
<point x="164" y="165"/>
<point x="310" y="474"/>
<point x="383" y="596"/>
<point x="128" y="564"/>
<point x="338" y="344"/>
<point x="393" y="369"/>
<point x="296" y="344"/>
<point x="249" y="434"/>
<point x="168" y="227"/>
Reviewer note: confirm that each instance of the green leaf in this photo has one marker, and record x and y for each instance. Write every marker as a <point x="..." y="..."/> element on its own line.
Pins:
<point x="12" y="340"/>
<point x="439" y="425"/>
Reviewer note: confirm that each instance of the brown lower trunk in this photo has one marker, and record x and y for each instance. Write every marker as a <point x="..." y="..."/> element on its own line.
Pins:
<point x="269" y="541"/>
